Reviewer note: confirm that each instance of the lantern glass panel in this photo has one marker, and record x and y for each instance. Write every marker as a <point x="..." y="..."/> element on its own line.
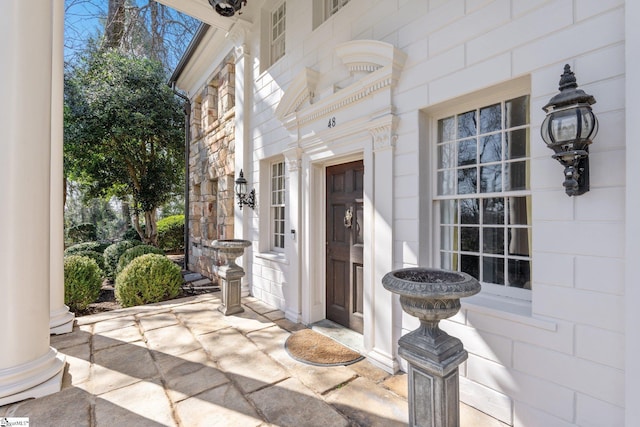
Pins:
<point x="564" y="125"/>
<point x="589" y="123"/>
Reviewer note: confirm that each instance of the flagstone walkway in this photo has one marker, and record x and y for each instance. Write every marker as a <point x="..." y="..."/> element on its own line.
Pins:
<point x="182" y="363"/>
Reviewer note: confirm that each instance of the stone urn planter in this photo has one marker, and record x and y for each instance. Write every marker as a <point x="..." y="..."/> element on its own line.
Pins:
<point x="230" y="274"/>
<point x="433" y="355"/>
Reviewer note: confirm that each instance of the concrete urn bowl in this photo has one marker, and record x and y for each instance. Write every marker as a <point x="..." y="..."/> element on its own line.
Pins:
<point x="433" y="355"/>
<point x="230" y="274"/>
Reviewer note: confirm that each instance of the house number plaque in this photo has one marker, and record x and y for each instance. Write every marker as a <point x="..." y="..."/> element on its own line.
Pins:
<point x="332" y="122"/>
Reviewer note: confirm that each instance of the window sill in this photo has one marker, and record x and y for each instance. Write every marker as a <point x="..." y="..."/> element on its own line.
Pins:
<point x="507" y="308"/>
<point x="273" y="256"/>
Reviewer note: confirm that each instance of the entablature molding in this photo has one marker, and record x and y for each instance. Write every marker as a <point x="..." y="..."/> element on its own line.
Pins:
<point x="382" y="62"/>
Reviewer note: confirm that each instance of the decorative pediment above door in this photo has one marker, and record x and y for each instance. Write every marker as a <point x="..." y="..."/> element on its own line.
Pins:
<point x="374" y="66"/>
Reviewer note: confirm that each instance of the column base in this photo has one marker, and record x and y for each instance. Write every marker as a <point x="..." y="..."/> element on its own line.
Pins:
<point x="383" y="360"/>
<point x="34" y="379"/>
<point x="61" y="321"/>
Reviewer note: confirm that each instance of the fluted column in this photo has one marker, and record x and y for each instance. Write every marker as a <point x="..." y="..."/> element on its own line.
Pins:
<point x="380" y="330"/>
<point x="60" y="319"/>
<point x="29" y="367"/>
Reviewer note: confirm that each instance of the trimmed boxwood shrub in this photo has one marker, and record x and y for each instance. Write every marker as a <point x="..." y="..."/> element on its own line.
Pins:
<point x="96" y="256"/>
<point x="113" y="253"/>
<point x="171" y="233"/>
<point x="133" y="253"/>
<point x="86" y="246"/>
<point x="82" y="282"/>
<point x="147" y="279"/>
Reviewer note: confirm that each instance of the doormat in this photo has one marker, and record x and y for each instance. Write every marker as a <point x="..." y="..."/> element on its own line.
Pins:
<point x="310" y="347"/>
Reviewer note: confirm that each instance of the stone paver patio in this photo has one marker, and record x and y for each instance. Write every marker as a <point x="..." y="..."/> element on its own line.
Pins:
<point x="182" y="363"/>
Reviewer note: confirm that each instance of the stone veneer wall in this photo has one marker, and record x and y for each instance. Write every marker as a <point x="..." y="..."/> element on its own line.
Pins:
<point x="211" y="168"/>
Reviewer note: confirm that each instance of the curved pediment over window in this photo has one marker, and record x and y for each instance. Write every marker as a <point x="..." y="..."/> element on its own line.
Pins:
<point x="369" y="55"/>
<point x="375" y="66"/>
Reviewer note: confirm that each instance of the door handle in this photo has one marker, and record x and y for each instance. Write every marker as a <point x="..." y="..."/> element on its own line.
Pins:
<point x="348" y="217"/>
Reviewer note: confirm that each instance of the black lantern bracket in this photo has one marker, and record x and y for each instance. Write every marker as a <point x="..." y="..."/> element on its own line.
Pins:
<point x="244" y="198"/>
<point x="568" y="129"/>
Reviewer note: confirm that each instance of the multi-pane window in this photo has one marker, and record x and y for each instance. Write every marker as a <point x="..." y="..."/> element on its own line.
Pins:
<point x="277" y="32"/>
<point x="483" y="196"/>
<point x="331" y="7"/>
<point x="277" y="205"/>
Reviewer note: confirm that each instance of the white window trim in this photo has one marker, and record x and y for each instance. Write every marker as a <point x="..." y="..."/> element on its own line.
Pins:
<point x="272" y="231"/>
<point x="516" y="88"/>
<point x="281" y="37"/>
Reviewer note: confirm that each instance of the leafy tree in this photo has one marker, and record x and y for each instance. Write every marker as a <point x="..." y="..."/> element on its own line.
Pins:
<point x="124" y="132"/>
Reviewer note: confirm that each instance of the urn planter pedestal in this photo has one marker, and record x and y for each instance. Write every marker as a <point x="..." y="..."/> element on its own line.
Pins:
<point x="230" y="274"/>
<point x="433" y="355"/>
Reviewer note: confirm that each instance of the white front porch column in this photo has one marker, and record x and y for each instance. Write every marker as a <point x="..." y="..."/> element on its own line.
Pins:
<point x="239" y="34"/>
<point x="29" y="367"/>
<point x="60" y="320"/>
<point x="381" y="328"/>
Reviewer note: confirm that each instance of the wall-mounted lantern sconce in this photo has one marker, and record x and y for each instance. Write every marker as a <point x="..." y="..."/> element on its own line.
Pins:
<point x="568" y="130"/>
<point x="241" y="192"/>
<point x="227" y="7"/>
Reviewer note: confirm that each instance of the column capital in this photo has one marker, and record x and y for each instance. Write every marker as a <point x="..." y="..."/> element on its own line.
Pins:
<point x="292" y="158"/>
<point x="384" y="137"/>
<point x="238" y="35"/>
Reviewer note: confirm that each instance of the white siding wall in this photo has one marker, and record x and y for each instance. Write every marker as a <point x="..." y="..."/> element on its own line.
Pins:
<point x="559" y="361"/>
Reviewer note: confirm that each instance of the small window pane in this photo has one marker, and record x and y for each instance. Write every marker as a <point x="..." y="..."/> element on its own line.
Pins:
<point x="446" y="129"/>
<point x="470" y="239"/>
<point x="490" y="119"/>
<point x="491" y="148"/>
<point x="491" y="179"/>
<point x="518" y="212"/>
<point x="517" y="142"/>
<point x="448" y="238"/>
<point x="470" y="264"/>
<point x="493" y="270"/>
<point x="519" y="242"/>
<point x="517" y="111"/>
<point x="448" y="212"/>
<point x="467" y="181"/>
<point x="467" y="152"/>
<point x="493" y="211"/>
<point x="519" y="273"/>
<point x="445" y="261"/>
<point x="493" y="240"/>
<point x="446" y="182"/>
<point x="469" y="211"/>
<point x="467" y="124"/>
<point x="518" y="180"/>
<point x="446" y="156"/>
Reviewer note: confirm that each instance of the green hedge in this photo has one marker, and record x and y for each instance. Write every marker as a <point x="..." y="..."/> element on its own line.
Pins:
<point x="82" y="233"/>
<point x="113" y="253"/>
<point x="133" y="253"/>
<point x="171" y="233"/>
<point x="147" y="279"/>
<point x="87" y="246"/>
<point x="82" y="282"/>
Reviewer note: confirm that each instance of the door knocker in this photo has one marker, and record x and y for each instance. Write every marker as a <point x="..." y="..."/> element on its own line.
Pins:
<point x="347" y="218"/>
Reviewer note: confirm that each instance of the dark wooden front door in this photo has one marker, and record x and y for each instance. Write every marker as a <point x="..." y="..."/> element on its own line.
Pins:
<point x="345" y="244"/>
